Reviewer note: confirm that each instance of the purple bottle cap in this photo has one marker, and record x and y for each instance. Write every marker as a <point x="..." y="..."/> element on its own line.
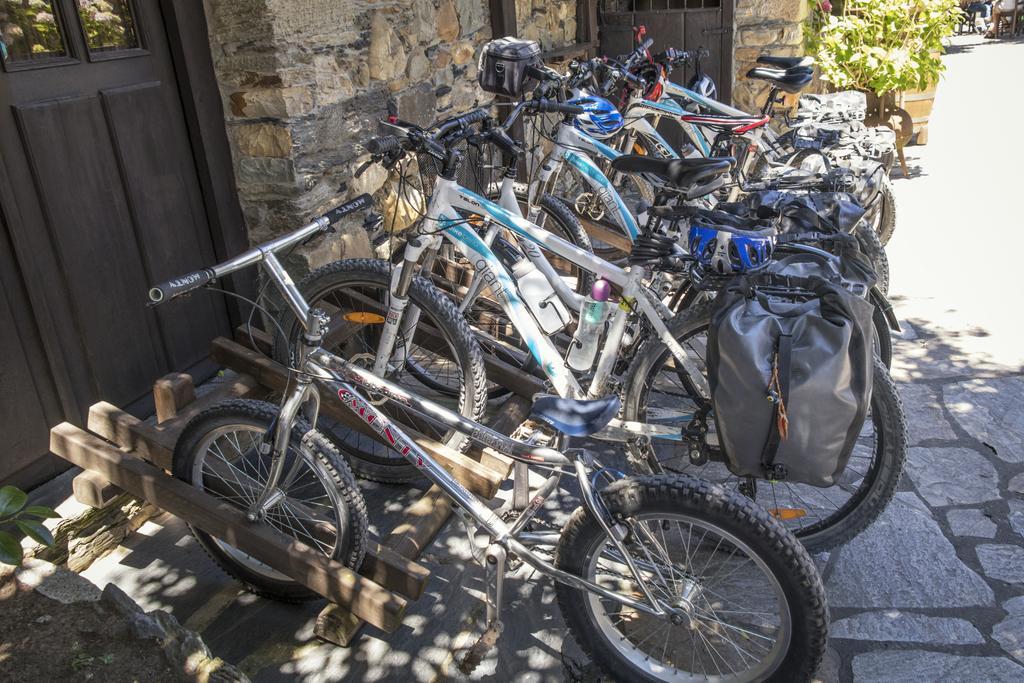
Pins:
<point x="601" y="290"/>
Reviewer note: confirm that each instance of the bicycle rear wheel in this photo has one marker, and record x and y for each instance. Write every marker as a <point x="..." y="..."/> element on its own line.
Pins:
<point x="659" y="392"/>
<point x="441" y="361"/>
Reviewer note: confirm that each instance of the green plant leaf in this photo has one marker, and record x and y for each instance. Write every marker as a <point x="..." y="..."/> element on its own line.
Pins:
<point x="12" y="500"/>
<point x="41" y="511"/>
<point x="35" y="530"/>
<point x="10" y="549"/>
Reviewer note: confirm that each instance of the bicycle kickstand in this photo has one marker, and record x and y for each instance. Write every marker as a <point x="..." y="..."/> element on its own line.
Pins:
<point x="494" y="558"/>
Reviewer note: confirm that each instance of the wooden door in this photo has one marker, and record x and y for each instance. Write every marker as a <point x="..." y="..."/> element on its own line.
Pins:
<point x="100" y="197"/>
<point x="683" y="24"/>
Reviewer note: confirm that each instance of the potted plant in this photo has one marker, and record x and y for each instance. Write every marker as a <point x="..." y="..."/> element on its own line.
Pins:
<point x="890" y="49"/>
<point x="17" y="516"/>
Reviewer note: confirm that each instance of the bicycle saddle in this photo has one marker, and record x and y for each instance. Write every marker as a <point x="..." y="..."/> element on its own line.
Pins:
<point x="785" y="62"/>
<point x="576" y="417"/>
<point x="682" y="173"/>
<point x="791" y="80"/>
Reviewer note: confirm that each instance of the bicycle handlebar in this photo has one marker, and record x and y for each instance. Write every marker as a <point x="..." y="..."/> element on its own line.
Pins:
<point x="638" y="53"/>
<point x="189" y="282"/>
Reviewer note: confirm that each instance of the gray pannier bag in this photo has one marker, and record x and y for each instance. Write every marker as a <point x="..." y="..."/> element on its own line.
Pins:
<point x="789" y="364"/>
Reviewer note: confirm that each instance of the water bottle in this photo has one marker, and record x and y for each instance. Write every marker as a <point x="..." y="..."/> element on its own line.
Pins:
<point x="549" y="311"/>
<point x="593" y="313"/>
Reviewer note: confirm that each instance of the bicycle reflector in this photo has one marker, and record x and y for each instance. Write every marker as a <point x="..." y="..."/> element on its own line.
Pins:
<point x="364" y="318"/>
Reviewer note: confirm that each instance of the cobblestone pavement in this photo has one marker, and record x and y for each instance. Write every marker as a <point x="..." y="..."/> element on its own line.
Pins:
<point x="934" y="591"/>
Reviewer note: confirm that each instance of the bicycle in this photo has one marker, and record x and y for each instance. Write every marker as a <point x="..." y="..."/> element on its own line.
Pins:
<point x="657" y="577"/>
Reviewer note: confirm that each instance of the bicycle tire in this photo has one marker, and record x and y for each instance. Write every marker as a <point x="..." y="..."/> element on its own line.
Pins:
<point x="783" y="556"/>
<point x="351" y="511"/>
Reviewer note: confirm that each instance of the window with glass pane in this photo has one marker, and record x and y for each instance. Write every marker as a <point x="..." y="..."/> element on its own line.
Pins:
<point x="29" y="31"/>
<point x="108" y="25"/>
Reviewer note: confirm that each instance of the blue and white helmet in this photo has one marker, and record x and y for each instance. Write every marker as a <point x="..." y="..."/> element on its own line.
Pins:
<point x="600" y="120"/>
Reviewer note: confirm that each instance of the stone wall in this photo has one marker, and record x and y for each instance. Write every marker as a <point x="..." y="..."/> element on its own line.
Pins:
<point x="552" y="23"/>
<point x="764" y="26"/>
<point x="304" y="81"/>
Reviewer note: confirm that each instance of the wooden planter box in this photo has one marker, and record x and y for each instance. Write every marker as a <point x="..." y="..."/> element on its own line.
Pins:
<point x="918" y="103"/>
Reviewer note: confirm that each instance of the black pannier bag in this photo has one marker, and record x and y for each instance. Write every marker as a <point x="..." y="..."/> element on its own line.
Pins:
<point x="789" y="363"/>
<point x="503" y="63"/>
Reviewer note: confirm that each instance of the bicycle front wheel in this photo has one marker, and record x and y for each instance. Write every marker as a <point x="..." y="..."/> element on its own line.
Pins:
<point x="439" y="360"/>
<point x="745" y="601"/>
<point x="319" y="504"/>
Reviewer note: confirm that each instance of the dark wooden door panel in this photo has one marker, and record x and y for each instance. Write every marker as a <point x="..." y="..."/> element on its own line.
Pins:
<point x="704" y="29"/>
<point x="77" y="183"/>
<point x="167" y="209"/>
<point x="100" y="197"/>
<point x="24" y="386"/>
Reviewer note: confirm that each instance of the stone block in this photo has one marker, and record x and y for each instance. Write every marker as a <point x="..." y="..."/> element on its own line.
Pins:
<point x="914" y="666"/>
<point x="334" y="79"/>
<point x="463" y="52"/>
<point x="921" y="570"/>
<point x="386" y="58"/>
<point x="952" y="476"/>
<point x="905" y="627"/>
<point x="473" y="15"/>
<point x="1009" y="632"/>
<point x="280" y="103"/>
<point x="419" y="65"/>
<point x="971" y="523"/>
<point x="265" y="171"/>
<point x="418" y="104"/>
<point x="758" y="35"/>
<point x="447" y="21"/>
<point x="989" y="410"/>
<point x="262" y="140"/>
<point x="1003" y="562"/>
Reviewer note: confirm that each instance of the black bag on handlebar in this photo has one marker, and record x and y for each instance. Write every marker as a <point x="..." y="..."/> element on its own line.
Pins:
<point x="503" y="65"/>
<point x="790" y="367"/>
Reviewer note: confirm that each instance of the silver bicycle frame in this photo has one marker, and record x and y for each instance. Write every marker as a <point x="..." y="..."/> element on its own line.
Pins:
<point x="447" y="197"/>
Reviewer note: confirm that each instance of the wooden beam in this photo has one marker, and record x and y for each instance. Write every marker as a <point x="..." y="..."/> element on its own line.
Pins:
<point x="171" y="394"/>
<point x="155" y="443"/>
<point x="610" y="237"/>
<point x="93" y="490"/>
<point x="380" y="564"/>
<point x="329" y="578"/>
<point x="479" y="479"/>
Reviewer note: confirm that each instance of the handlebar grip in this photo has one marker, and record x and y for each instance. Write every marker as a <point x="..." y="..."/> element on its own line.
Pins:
<point x="383" y="144"/>
<point x="180" y="285"/>
<point x="646" y="45"/>
<point x="503" y="141"/>
<point x="337" y="213"/>
<point x="558" y="107"/>
<point x="475" y="116"/>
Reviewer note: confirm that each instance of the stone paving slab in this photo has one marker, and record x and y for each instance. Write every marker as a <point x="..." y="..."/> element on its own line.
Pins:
<point x="904" y="560"/>
<point x="915" y="666"/>
<point x="905" y="627"/>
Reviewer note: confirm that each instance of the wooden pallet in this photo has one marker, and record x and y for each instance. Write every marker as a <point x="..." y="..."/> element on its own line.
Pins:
<point x="119" y="453"/>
